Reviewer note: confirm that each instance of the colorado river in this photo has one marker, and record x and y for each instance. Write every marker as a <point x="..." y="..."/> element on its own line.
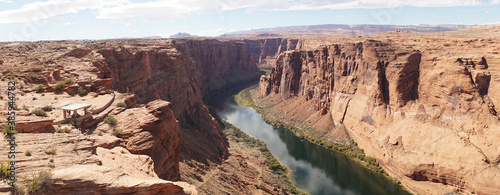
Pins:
<point x="315" y="169"/>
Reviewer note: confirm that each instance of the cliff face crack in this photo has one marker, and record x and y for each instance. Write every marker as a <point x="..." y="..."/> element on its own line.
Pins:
<point x="383" y="83"/>
<point x="345" y="110"/>
<point x="481" y="82"/>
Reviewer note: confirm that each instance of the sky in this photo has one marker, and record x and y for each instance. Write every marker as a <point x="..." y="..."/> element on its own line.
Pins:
<point x="24" y="20"/>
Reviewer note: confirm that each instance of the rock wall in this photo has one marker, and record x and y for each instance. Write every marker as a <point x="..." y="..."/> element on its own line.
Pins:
<point x="181" y="72"/>
<point x="424" y="117"/>
<point x="155" y="133"/>
<point x="265" y="51"/>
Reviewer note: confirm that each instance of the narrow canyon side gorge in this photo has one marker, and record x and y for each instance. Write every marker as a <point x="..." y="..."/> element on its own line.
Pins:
<point x="424" y="107"/>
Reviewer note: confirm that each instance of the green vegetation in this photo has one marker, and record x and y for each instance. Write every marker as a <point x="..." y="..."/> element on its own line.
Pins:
<point x="69" y="81"/>
<point x="58" y="88"/>
<point x="40" y="113"/>
<point x="273" y="164"/>
<point x="110" y="120"/>
<point x="63" y="130"/>
<point x="82" y="92"/>
<point x="117" y="132"/>
<point x="19" y="189"/>
<point x="121" y="105"/>
<point x="99" y="133"/>
<point x="52" y="150"/>
<point x="32" y="76"/>
<point x="40" y="89"/>
<point x="47" y="108"/>
<point x="50" y="61"/>
<point x="27" y="153"/>
<point x="75" y="147"/>
<point x="36" y="184"/>
<point x="4" y="169"/>
<point x="7" y="129"/>
<point x="75" y="123"/>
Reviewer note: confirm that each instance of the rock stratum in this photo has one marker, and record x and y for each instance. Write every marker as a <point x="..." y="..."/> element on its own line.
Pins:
<point x="163" y="83"/>
<point x="425" y="107"/>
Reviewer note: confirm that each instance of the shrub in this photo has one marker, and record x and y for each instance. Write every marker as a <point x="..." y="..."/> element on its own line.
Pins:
<point x="4" y="168"/>
<point x="75" y="147"/>
<point x="110" y="120"/>
<point x="51" y="150"/>
<point x="117" y="133"/>
<point x="19" y="189"/>
<point x="63" y="130"/>
<point x="75" y="123"/>
<point x="121" y="105"/>
<point x="7" y="129"/>
<point x="99" y="133"/>
<point x="82" y="92"/>
<point x="47" y="108"/>
<point x="59" y="87"/>
<point x="371" y="161"/>
<point x="35" y="185"/>
<point x="40" y="113"/>
<point x="40" y="89"/>
<point x="27" y="153"/>
<point x="69" y="81"/>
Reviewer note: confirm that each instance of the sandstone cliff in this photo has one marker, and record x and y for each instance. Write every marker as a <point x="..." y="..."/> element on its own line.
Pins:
<point x="144" y="74"/>
<point x="182" y="72"/>
<point x="265" y="51"/>
<point x="426" y="113"/>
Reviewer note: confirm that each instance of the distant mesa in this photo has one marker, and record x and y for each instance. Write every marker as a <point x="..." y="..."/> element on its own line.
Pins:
<point x="182" y="35"/>
<point x="343" y="29"/>
<point x="268" y="35"/>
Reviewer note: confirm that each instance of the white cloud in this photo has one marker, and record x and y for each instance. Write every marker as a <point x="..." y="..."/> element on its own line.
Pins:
<point x="5" y="1"/>
<point x="125" y="11"/>
<point x="67" y="23"/>
<point x="373" y="4"/>
<point x="45" y="9"/>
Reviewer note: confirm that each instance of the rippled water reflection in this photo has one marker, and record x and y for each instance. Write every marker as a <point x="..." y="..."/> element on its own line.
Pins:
<point x="315" y="169"/>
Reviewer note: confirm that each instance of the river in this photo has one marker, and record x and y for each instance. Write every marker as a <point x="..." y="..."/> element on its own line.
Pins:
<point x="316" y="170"/>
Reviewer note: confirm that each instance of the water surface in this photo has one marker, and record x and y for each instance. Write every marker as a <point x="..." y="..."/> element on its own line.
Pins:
<point x="315" y="169"/>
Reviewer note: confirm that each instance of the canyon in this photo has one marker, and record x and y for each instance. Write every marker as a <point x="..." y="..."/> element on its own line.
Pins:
<point x="164" y="125"/>
<point x="424" y="106"/>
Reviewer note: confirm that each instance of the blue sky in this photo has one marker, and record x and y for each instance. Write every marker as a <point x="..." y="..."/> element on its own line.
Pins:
<point x="23" y="20"/>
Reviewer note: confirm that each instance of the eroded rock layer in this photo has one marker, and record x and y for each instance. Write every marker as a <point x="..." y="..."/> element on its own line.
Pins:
<point x="427" y="116"/>
<point x="181" y="72"/>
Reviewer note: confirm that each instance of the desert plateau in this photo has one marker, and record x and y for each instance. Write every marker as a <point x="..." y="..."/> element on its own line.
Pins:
<point x="286" y="97"/>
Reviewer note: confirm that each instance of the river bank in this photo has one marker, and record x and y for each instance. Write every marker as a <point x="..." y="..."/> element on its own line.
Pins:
<point x="346" y="147"/>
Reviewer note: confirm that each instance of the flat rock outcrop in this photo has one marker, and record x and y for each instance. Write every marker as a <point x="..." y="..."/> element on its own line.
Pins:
<point x="119" y="172"/>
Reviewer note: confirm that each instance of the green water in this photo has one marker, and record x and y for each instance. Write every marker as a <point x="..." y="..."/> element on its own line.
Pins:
<point x="315" y="169"/>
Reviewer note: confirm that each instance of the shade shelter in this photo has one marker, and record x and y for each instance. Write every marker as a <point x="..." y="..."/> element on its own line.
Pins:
<point x="74" y="108"/>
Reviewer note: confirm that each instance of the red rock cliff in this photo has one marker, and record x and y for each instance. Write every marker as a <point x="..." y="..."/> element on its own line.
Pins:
<point x="424" y="117"/>
<point x="181" y="72"/>
<point x="265" y="51"/>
